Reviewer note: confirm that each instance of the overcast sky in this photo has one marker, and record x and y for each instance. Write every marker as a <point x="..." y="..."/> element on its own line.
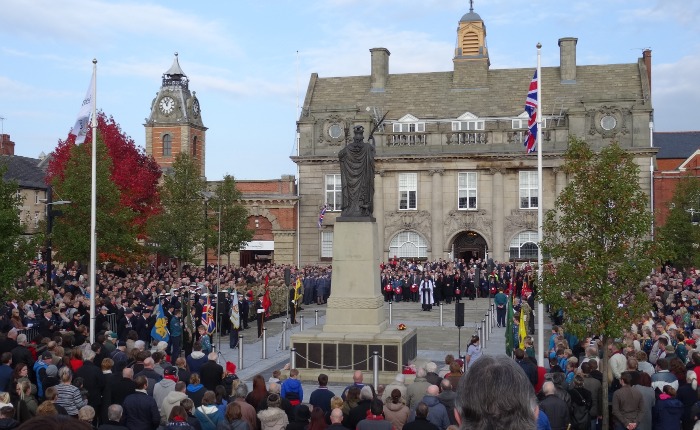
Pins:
<point x="250" y="61"/>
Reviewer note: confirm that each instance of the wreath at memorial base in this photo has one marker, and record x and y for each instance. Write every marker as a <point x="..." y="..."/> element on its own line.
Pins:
<point x="401" y="327"/>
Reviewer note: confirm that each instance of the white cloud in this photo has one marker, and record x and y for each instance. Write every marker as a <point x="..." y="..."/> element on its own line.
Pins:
<point x="87" y="22"/>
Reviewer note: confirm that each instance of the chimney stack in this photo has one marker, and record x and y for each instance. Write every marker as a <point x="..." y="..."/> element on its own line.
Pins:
<point x="7" y="147"/>
<point x="567" y="60"/>
<point x="646" y="56"/>
<point x="380" y="69"/>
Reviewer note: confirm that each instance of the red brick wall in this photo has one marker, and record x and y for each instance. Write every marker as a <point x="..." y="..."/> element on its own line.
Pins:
<point x="286" y="217"/>
<point x="264" y="229"/>
<point x="665" y="182"/>
<point x="266" y="187"/>
<point x="158" y="133"/>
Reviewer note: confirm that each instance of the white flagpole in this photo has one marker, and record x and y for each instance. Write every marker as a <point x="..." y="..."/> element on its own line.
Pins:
<point x="540" y="202"/>
<point x="93" y="205"/>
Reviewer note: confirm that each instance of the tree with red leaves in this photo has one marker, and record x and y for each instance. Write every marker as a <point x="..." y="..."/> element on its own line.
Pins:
<point x="127" y="194"/>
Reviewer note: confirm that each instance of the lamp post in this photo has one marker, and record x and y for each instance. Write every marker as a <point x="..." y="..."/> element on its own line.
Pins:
<point x="50" y="215"/>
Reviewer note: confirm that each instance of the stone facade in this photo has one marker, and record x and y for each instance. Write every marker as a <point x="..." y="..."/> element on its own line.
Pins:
<point x="467" y="123"/>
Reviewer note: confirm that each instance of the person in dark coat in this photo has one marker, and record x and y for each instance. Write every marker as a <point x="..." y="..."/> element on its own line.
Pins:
<point x="140" y="409"/>
<point x="114" y="416"/>
<point x="211" y="374"/>
<point x="195" y="390"/>
<point x="21" y="354"/>
<point x="668" y="410"/>
<point x="359" y="412"/>
<point x="321" y="397"/>
<point x="529" y="368"/>
<point x="421" y="422"/>
<point x="554" y="407"/>
<point x="126" y="323"/>
<point x="93" y="379"/>
<point x="301" y="418"/>
<point x="123" y="386"/>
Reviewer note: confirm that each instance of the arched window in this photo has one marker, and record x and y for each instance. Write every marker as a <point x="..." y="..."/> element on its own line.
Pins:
<point x="167" y="145"/>
<point x="524" y="246"/>
<point x="408" y="244"/>
<point x="194" y="146"/>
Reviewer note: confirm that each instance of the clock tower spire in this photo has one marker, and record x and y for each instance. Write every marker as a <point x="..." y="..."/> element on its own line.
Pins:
<point x="175" y="125"/>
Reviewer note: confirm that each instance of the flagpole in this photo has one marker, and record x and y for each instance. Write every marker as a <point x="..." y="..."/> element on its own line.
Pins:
<point x="93" y="204"/>
<point x="540" y="306"/>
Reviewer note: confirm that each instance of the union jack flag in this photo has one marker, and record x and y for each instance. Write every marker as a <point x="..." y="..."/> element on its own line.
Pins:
<point x="208" y="316"/>
<point x="531" y="107"/>
<point x="321" y="215"/>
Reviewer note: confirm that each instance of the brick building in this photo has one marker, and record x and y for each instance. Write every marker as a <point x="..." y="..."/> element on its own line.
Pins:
<point x="272" y="209"/>
<point x="452" y="178"/>
<point x="175" y="126"/>
<point x="679" y="155"/>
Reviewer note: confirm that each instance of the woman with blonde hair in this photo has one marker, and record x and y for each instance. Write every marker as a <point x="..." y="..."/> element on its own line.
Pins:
<point x="68" y="395"/>
<point x="26" y="403"/>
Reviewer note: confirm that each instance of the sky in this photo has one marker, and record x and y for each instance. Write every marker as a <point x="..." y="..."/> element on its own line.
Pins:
<point x="250" y="61"/>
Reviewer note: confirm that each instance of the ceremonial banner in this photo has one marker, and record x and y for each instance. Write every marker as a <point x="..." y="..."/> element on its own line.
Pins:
<point x="208" y="316"/>
<point x="160" y="331"/>
<point x="235" y="316"/>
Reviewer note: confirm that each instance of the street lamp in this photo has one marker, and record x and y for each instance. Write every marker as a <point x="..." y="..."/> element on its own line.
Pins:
<point x="50" y="214"/>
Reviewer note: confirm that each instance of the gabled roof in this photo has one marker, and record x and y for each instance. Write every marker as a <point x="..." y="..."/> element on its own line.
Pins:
<point x="26" y="171"/>
<point x="432" y="95"/>
<point x="677" y="144"/>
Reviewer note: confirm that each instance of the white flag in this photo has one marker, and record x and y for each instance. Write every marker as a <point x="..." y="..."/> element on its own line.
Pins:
<point x="235" y="316"/>
<point x="81" y="123"/>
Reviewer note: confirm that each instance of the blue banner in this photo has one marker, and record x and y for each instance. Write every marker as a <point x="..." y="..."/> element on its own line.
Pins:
<point x="160" y="331"/>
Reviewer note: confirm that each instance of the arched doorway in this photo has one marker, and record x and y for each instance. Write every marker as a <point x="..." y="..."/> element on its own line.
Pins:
<point x="468" y="245"/>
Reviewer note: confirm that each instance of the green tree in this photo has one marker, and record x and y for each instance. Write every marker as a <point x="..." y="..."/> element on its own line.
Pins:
<point x="597" y="239"/>
<point x="681" y="233"/>
<point x="179" y="230"/>
<point x="234" y="217"/>
<point x="116" y="233"/>
<point x="16" y="250"/>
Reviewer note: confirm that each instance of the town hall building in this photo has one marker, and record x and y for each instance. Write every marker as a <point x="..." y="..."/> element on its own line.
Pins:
<point x="452" y="179"/>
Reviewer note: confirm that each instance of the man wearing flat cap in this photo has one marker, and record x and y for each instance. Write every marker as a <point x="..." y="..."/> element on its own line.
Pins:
<point x="126" y="323"/>
<point x="101" y="321"/>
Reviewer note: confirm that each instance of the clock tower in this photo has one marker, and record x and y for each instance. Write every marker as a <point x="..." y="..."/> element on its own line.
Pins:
<point x="174" y="125"/>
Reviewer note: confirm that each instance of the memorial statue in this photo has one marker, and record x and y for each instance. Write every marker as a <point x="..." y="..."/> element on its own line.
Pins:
<point x="357" y="176"/>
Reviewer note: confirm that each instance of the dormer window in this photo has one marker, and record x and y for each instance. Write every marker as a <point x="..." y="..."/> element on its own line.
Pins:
<point x="409" y="124"/>
<point x="468" y="121"/>
<point x="521" y="122"/>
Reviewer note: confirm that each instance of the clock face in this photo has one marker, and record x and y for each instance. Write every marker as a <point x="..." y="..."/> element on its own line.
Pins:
<point x="167" y="105"/>
<point x="195" y="107"/>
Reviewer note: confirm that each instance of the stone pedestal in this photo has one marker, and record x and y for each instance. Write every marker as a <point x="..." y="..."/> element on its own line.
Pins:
<point x="355" y="324"/>
<point x="355" y="304"/>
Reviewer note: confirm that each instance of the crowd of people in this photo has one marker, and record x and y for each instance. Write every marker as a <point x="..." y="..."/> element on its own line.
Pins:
<point x="653" y="367"/>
